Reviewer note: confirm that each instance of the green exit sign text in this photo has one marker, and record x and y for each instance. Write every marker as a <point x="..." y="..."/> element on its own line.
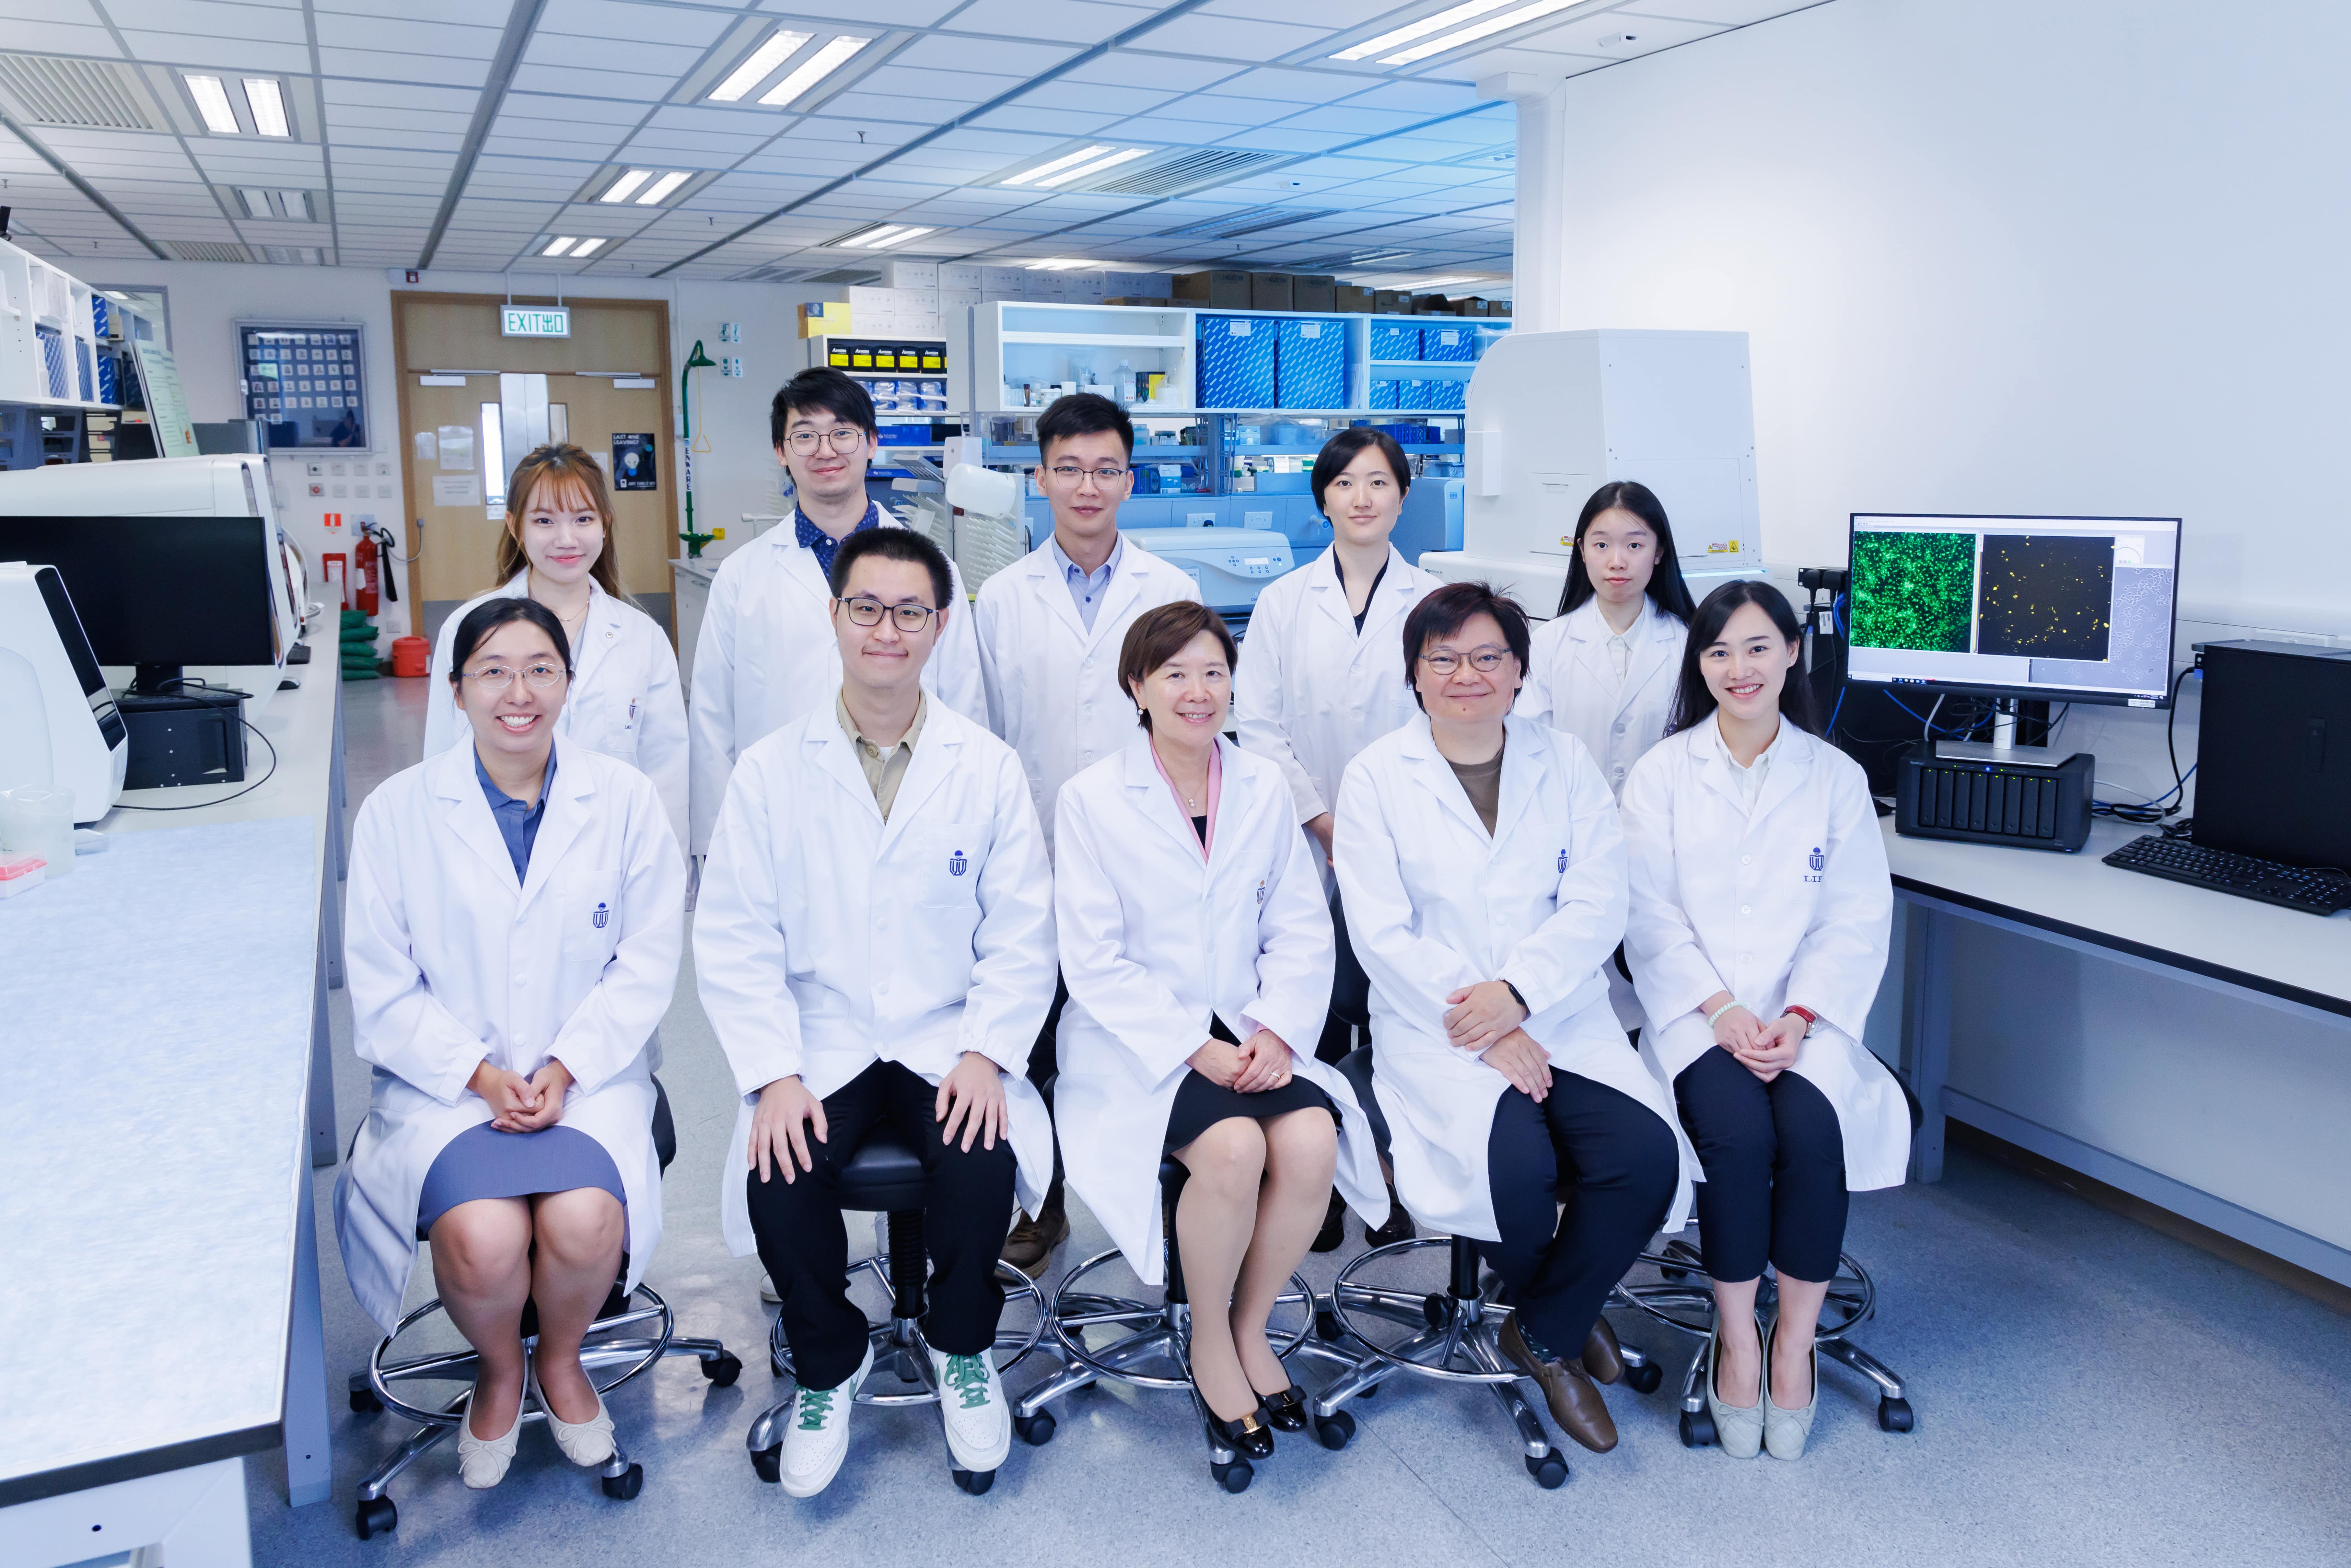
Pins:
<point x="537" y="321"/>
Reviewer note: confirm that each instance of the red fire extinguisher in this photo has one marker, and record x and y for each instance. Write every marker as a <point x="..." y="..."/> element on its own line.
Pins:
<point x="364" y="561"/>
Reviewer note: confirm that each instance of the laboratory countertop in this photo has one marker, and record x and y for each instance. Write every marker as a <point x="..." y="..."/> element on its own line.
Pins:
<point x="2283" y="953"/>
<point x="299" y="727"/>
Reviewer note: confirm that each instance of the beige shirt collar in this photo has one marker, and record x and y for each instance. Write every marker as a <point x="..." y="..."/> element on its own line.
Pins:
<point x="884" y="768"/>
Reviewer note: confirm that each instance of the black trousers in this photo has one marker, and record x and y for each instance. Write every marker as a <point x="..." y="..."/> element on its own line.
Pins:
<point x="1044" y="1062"/>
<point x="1613" y="1163"/>
<point x="804" y="1242"/>
<point x="1775" y="1159"/>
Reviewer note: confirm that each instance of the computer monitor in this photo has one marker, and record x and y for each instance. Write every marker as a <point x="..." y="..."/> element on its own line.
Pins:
<point x="160" y="592"/>
<point x="2073" y="610"/>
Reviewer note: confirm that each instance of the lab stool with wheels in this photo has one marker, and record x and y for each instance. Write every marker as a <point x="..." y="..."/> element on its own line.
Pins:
<point x="1671" y="1286"/>
<point x="632" y="1329"/>
<point x="1148" y="1344"/>
<point x="885" y="1175"/>
<point x="1451" y="1333"/>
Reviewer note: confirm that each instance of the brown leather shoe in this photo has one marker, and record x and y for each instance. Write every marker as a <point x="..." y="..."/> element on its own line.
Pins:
<point x="1030" y="1245"/>
<point x="1575" y="1403"/>
<point x="1602" y="1358"/>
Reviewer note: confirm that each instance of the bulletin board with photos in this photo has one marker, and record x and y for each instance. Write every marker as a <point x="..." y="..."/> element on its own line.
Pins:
<point x="307" y="381"/>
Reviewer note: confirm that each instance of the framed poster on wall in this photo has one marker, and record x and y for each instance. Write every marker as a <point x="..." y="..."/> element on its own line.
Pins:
<point x="632" y="462"/>
<point x="308" y="382"/>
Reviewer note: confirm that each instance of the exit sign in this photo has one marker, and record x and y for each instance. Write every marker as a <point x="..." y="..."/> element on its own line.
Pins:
<point x="537" y="321"/>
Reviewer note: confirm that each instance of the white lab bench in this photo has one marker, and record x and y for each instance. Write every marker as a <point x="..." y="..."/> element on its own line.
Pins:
<point x="689" y="587"/>
<point x="2188" y="1047"/>
<point x="164" y="1098"/>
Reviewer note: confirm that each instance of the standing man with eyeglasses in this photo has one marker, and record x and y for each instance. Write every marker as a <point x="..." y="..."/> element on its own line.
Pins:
<point x="1051" y="627"/>
<point x="876" y="946"/>
<point x="766" y="654"/>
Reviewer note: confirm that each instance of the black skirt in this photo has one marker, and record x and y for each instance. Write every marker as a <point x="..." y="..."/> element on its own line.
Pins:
<point x="1200" y="1104"/>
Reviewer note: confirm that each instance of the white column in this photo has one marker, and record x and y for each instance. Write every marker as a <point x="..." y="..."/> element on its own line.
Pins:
<point x="1539" y="281"/>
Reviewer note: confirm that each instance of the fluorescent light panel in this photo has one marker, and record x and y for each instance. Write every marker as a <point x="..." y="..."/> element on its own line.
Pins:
<point x="1398" y="37"/>
<point x="256" y="201"/>
<point x="297" y="204"/>
<point x="1125" y="155"/>
<point x="780" y="46"/>
<point x="211" y="103"/>
<point x="559" y="245"/>
<point x="661" y="189"/>
<point x="621" y="188"/>
<point x="1059" y="263"/>
<point x="813" y="70"/>
<point x="880" y="238"/>
<point x="587" y="247"/>
<point x="267" y="103"/>
<point x="1081" y="155"/>
<point x="1471" y="33"/>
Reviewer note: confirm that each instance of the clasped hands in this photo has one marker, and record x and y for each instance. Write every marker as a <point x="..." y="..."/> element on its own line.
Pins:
<point x="1485" y="1018"/>
<point x="519" y="1104"/>
<point x="1766" y="1050"/>
<point x="971" y="1100"/>
<point x="1261" y="1064"/>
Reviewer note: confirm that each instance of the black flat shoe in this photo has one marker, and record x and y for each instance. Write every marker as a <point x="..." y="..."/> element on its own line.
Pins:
<point x="1333" y="1234"/>
<point x="1248" y="1436"/>
<point x="1286" y="1410"/>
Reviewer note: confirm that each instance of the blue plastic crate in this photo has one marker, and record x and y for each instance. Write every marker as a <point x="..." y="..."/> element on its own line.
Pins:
<point x="1395" y="342"/>
<point x="53" y="361"/>
<point x="89" y="369"/>
<point x="1238" y="359"/>
<point x="1312" y="367"/>
<point x="1448" y="394"/>
<point x="97" y="316"/>
<point x="1383" y="392"/>
<point x="1448" y="343"/>
<point x="108" y="390"/>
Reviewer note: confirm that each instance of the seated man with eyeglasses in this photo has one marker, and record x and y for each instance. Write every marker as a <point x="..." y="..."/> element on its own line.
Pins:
<point x="875" y="944"/>
<point x="766" y="653"/>
<point x="1051" y="627"/>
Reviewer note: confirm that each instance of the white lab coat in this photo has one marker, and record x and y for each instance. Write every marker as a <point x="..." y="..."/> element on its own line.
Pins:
<point x="1312" y="691"/>
<point x="1791" y="903"/>
<point x="767" y="654"/>
<point x="1153" y="941"/>
<point x="826" y="940"/>
<point x="1052" y="685"/>
<point x="449" y="963"/>
<point x="1434" y="904"/>
<point x="624" y="699"/>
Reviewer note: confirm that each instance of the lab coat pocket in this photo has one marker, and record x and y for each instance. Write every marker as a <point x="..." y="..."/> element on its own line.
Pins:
<point x="947" y="858"/>
<point x="589" y="909"/>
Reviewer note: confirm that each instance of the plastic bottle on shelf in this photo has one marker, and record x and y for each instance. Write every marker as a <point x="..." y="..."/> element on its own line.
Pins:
<point x="1125" y="382"/>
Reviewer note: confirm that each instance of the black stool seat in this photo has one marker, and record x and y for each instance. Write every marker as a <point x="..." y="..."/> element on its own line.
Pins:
<point x="885" y="1174"/>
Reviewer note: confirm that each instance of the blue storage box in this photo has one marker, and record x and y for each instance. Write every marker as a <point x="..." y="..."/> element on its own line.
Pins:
<point x="1413" y="393"/>
<point x="1312" y="368"/>
<point x="1395" y="342"/>
<point x="1449" y="394"/>
<point x="1237" y="359"/>
<point x="1383" y="392"/>
<point x="1448" y="343"/>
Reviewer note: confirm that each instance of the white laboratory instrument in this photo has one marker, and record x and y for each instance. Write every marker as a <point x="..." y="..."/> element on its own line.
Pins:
<point x="1231" y="566"/>
<point x="58" y="726"/>
<point x="992" y="533"/>
<point x="226" y="485"/>
<point x="1554" y="415"/>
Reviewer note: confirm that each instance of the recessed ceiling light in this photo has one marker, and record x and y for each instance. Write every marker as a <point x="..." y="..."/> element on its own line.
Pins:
<point x="1472" y="33"/>
<point x="268" y="105"/>
<point x="626" y="184"/>
<point x="812" y="70"/>
<point x="256" y="200"/>
<point x="296" y="205"/>
<point x="212" y="102"/>
<point x="1399" y="37"/>
<point x="587" y="247"/>
<point x="1083" y="154"/>
<point x="880" y="236"/>
<point x="660" y="189"/>
<point x="781" y="44"/>
<point x="1059" y="263"/>
<point x="560" y="245"/>
<point x="1082" y="171"/>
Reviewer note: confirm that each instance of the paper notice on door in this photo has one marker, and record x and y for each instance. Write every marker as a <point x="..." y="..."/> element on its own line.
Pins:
<point x="456" y="490"/>
<point x="428" y="446"/>
<point x="456" y="446"/>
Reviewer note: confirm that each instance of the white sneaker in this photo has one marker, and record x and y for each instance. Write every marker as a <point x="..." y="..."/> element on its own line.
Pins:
<point x="973" y="1408"/>
<point x="816" y="1436"/>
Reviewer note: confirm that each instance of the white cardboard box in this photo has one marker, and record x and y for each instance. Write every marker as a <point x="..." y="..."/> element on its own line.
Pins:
<point x="958" y="276"/>
<point x="911" y="274"/>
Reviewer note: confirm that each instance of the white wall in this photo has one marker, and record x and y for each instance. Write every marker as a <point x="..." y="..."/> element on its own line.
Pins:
<point x="737" y="475"/>
<point x="2006" y="257"/>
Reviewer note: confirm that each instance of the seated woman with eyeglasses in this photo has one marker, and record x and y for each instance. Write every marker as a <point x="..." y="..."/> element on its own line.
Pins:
<point x="513" y="934"/>
<point x="1483" y="876"/>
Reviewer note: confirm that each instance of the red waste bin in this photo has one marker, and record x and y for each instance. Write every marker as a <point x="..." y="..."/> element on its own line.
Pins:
<point x="411" y="656"/>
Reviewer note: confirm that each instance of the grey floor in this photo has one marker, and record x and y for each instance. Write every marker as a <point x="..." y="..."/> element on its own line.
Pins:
<point x="2087" y="1391"/>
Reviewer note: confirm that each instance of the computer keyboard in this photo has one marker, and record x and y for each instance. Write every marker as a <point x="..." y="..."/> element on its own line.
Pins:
<point x="2313" y="892"/>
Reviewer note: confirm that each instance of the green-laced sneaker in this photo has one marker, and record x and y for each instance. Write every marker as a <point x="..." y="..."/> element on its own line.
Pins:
<point x="973" y="1408"/>
<point x="815" y="1439"/>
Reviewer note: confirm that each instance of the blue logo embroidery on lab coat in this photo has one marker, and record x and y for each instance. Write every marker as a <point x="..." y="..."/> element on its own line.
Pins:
<point x="1260" y="893"/>
<point x="1818" y="859"/>
<point x="602" y="916"/>
<point x="957" y="864"/>
<point x="1562" y="862"/>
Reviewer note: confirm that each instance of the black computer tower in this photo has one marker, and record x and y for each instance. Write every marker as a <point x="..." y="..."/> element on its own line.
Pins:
<point x="2274" y="753"/>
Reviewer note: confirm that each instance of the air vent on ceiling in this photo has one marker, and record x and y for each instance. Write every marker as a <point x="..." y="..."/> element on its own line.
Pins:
<point x="207" y="250"/>
<point x="1181" y="170"/>
<point x="78" y="92"/>
<point x="1248" y="221"/>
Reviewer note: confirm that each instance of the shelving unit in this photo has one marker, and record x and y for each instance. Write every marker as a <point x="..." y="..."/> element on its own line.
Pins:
<point x="65" y="367"/>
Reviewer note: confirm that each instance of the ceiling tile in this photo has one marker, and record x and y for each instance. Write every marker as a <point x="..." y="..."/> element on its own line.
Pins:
<point x="224" y="53"/>
<point x="1054" y="122"/>
<point x="1720" y="13"/>
<point x="883" y="13"/>
<point x="1159" y="73"/>
<point x="381" y="64"/>
<point x="630" y="86"/>
<point x="628" y="25"/>
<point x="643" y="56"/>
<point x="956" y="53"/>
<point x="1078" y="21"/>
<point x="1232" y="38"/>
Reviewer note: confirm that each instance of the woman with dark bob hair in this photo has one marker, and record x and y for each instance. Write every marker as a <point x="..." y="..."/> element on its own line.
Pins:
<point x="1196" y="946"/>
<point x="1484" y="879"/>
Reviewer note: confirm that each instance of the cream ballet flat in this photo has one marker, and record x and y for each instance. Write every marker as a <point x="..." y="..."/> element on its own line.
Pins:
<point x="1738" y="1431"/>
<point x="1785" y="1431"/>
<point x="585" y="1443"/>
<point x="482" y="1462"/>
